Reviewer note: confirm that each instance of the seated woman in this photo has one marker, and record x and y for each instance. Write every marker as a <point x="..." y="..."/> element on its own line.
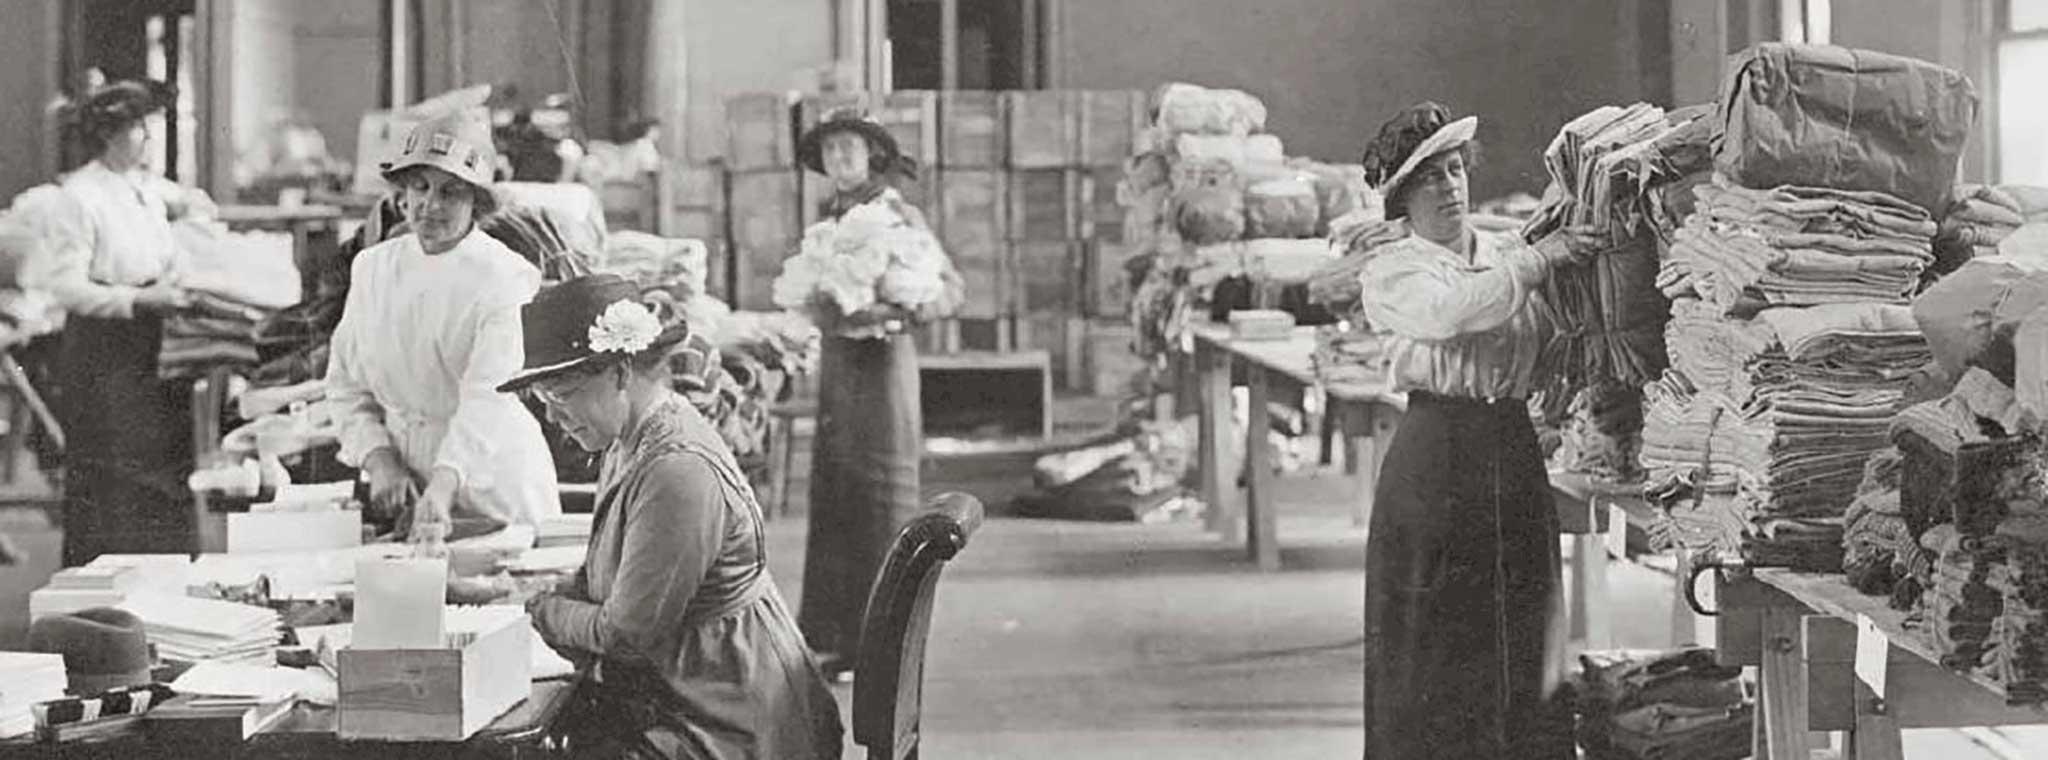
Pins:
<point x="430" y="328"/>
<point x="693" y="651"/>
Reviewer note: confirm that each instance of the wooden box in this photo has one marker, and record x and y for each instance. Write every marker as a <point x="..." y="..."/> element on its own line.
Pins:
<point x="765" y="230"/>
<point x="971" y="132"/>
<point x="1043" y="128"/>
<point x="1101" y="217"/>
<point x="913" y="117"/>
<point x="970" y="221"/>
<point x="1044" y="204"/>
<point x="758" y="132"/>
<point x="1047" y="277"/>
<point x="631" y="205"/>
<point x="1061" y="336"/>
<point x="980" y="394"/>
<point x="1110" y="121"/>
<point x="1107" y="285"/>
<point x="434" y="694"/>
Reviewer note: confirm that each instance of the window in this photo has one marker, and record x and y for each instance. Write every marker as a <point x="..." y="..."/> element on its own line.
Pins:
<point x="2020" y="115"/>
<point x="1807" y="21"/>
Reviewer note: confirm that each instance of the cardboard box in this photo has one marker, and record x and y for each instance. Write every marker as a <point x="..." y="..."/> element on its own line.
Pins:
<point x="972" y="134"/>
<point x="1044" y="204"/>
<point x="444" y="694"/>
<point x="758" y="132"/>
<point x="1047" y="277"/>
<point x="1043" y="127"/>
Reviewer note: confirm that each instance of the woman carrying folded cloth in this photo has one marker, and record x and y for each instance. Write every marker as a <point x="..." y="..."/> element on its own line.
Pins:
<point x="429" y="331"/>
<point x="113" y="267"/>
<point x="1462" y="656"/>
<point x="691" y="650"/>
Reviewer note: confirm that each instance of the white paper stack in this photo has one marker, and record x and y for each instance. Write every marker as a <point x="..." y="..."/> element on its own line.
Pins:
<point x="106" y="581"/>
<point x="207" y="630"/>
<point x="465" y="623"/>
<point x="25" y="679"/>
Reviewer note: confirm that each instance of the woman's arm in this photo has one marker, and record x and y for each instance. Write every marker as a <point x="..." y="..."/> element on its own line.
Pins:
<point x="357" y="413"/>
<point x="1417" y="297"/>
<point x="478" y="429"/>
<point x="69" y="240"/>
<point x="675" y="524"/>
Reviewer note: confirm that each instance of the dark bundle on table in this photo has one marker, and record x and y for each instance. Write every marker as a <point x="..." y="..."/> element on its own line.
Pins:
<point x="1677" y="704"/>
<point x="1602" y="432"/>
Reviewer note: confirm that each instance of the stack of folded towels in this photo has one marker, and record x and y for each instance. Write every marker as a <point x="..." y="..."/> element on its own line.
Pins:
<point x="1678" y="704"/>
<point x="1798" y="246"/>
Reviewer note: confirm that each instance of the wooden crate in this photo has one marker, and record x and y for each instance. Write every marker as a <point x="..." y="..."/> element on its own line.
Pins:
<point x="1109" y="123"/>
<point x="1043" y="128"/>
<point x="696" y="223"/>
<point x="980" y="394"/>
<point x="758" y="132"/>
<point x="814" y="189"/>
<point x="631" y="205"/>
<point x="971" y="131"/>
<point x="1100" y="216"/>
<point x="1107" y="285"/>
<point x="696" y="186"/>
<point x="1047" y="277"/>
<point x="913" y="117"/>
<point x="718" y="269"/>
<point x="765" y="230"/>
<point x="970" y="219"/>
<point x="433" y="694"/>
<point x="1057" y="334"/>
<point x="1044" y="204"/>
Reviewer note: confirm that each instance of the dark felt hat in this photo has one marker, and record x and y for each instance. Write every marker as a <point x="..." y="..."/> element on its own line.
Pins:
<point x="103" y="647"/>
<point x="119" y="104"/>
<point x="595" y="318"/>
<point x="810" y="149"/>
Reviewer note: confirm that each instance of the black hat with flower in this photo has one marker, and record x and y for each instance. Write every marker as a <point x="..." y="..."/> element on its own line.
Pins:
<point x="588" y="323"/>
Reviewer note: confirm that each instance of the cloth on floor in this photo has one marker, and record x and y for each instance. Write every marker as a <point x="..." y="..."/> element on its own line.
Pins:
<point x="1647" y="704"/>
<point x="1797" y="246"/>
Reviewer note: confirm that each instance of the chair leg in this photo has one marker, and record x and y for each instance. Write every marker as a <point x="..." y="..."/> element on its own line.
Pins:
<point x="786" y="442"/>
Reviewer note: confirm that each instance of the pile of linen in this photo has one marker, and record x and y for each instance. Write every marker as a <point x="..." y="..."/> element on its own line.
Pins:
<point x="1780" y="411"/>
<point x="1744" y="249"/>
<point x="1677" y="704"/>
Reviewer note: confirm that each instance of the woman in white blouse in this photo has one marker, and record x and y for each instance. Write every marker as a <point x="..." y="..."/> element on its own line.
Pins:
<point x="429" y="331"/>
<point x="113" y="267"/>
<point x="1461" y="562"/>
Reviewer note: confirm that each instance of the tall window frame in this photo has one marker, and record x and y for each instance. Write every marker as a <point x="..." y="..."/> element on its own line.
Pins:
<point x="2019" y="124"/>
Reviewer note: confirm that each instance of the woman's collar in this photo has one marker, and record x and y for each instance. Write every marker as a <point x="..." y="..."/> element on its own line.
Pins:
<point x="844" y="200"/>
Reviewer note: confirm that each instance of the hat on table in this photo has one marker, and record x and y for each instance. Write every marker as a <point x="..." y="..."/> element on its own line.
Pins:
<point x="596" y="318"/>
<point x="103" y="647"/>
<point x="458" y="142"/>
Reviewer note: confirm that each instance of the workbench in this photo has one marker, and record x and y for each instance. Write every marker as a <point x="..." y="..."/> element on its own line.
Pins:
<point x="1801" y="631"/>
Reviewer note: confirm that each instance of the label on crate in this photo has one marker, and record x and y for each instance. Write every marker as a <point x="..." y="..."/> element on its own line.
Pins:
<point x="1873" y="654"/>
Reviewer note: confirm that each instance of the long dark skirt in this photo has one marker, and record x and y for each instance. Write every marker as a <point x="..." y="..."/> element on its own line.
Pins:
<point x="864" y="482"/>
<point x="1461" y="590"/>
<point x="128" y="437"/>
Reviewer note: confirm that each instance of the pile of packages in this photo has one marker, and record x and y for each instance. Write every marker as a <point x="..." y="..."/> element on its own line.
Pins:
<point x="1790" y="344"/>
<point x="1134" y="476"/>
<point x="1609" y="172"/>
<point x="1210" y="199"/>
<point x="1664" y="705"/>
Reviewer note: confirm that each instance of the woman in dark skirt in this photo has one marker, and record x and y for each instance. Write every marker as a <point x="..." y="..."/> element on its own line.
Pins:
<point x="1461" y="584"/>
<point x="115" y="264"/>
<point x="870" y="436"/>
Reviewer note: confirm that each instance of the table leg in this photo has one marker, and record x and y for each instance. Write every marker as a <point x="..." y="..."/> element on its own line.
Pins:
<point x="1784" y="722"/>
<point x="1361" y="454"/>
<point x="1589" y="593"/>
<point x="1219" y="477"/>
<point x="1876" y="736"/>
<point x="1262" y="524"/>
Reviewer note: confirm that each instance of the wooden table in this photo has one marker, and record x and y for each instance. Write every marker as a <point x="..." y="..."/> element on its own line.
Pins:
<point x="528" y="730"/>
<point x="1367" y="413"/>
<point x="1800" y="630"/>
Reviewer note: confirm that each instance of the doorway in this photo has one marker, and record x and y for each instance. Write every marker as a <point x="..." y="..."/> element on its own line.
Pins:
<point x="995" y="44"/>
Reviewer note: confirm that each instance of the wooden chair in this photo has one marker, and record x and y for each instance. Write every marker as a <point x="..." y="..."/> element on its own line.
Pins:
<point x="888" y="684"/>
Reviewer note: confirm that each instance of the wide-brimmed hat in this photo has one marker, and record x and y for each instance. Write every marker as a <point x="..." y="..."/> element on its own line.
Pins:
<point x="1446" y="138"/>
<point x="883" y="150"/>
<point x="458" y="142"/>
<point x="103" y="647"/>
<point x="585" y="320"/>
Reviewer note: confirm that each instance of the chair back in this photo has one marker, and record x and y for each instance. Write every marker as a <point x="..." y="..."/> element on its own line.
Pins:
<point x="888" y="682"/>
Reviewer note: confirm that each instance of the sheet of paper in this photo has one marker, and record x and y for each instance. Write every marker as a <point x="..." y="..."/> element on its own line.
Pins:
<point x="1873" y="654"/>
<point x="265" y="683"/>
<point x="400" y="603"/>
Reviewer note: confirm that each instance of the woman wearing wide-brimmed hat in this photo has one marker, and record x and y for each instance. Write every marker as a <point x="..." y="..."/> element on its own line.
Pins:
<point x="113" y="267"/>
<point x="690" y="648"/>
<point x="429" y="330"/>
<point x="1461" y="559"/>
<point x="870" y="438"/>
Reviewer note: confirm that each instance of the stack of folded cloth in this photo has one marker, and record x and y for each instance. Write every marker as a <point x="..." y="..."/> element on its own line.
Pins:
<point x="1602" y="433"/>
<point x="1876" y="544"/>
<point x="1781" y="409"/>
<point x="1984" y="601"/>
<point x="1797" y="246"/>
<point x="1678" y="704"/>
<point x="1978" y="218"/>
<point x="217" y="332"/>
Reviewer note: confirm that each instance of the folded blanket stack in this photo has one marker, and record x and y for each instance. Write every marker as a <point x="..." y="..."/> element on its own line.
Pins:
<point x="1876" y="544"/>
<point x="216" y="334"/>
<point x="1781" y="411"/>
<point x="1977" y="219"/>
<point x="1797" y="246"/>
<point x="1678" y="704"/>
<point x="1984" y="601"/>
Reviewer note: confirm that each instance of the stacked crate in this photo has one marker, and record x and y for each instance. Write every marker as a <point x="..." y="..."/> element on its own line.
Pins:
<point x="696" y="210"/>
<point x="765" y="218"/>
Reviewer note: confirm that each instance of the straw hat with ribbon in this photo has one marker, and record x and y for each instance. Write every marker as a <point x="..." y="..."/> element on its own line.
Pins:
<point x="458" y="142"/>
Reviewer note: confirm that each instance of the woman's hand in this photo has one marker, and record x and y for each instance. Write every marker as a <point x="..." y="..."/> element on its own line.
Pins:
<point x="1576" y="244"/>
<point x="435" y="506"/>
<point x="391" y="487"/>
<point x="162" y="298"/>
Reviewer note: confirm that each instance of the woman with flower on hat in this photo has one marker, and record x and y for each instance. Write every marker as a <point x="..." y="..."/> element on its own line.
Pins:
<point x="1462" y="654"/>
<point x="429" y="329"/>
<point x="113" y="267"/>
<point x="691" y="649"/>
<point x="870" y="436"/>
